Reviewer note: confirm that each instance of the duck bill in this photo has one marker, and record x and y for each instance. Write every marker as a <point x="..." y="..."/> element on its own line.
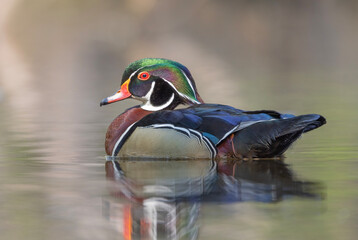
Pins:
<point x="123" y="93"/>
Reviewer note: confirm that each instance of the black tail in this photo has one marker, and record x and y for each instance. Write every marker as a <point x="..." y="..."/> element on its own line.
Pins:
<point x="271" y="138"/>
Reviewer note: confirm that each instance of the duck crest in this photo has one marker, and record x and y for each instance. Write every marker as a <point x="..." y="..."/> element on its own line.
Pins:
<point x="173" y="73"/>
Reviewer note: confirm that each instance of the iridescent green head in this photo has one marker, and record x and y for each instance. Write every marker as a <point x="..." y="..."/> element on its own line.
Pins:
<point x="159" y="83"/>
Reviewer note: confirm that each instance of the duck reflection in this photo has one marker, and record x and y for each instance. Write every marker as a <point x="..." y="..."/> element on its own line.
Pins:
<point x="159" y="199"/>
<point x="261" y="181"/>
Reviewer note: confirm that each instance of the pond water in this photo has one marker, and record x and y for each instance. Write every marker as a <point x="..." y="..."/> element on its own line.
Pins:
<point x="57" y="183"/>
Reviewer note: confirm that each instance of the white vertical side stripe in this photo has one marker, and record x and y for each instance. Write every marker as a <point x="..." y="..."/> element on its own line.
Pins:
<point x="121" y="138"/>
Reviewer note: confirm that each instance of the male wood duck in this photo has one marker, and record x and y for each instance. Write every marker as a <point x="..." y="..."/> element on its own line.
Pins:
<point x="156" y="129"/>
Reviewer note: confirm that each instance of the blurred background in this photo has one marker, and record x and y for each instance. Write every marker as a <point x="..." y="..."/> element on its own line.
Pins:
<point x="58" y="59"/>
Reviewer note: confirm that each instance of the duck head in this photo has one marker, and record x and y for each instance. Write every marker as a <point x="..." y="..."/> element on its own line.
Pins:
<point x="158" y="83"/>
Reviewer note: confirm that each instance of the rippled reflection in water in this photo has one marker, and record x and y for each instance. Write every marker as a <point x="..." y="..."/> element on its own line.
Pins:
<point x="160" y="199"/>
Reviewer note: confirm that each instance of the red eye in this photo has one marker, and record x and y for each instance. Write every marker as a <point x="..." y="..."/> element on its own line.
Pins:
<point x="143" y="76"/>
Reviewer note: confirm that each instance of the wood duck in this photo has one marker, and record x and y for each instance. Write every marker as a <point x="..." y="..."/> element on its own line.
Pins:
<point x="156" y="129"/>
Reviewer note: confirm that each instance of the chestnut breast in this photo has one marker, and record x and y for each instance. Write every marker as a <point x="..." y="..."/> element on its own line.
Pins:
<point x="120" y="124"/>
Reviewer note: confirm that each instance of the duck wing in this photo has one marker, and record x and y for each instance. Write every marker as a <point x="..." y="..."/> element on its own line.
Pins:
<point x="262" y="133"/>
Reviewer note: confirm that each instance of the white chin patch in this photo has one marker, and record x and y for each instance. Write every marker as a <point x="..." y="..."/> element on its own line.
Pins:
<point x="149" y="107"/>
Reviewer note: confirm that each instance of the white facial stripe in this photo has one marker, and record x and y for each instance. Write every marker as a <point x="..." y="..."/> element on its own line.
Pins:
<point x="130" y="77"/>
<point x="181" y="94"/>
<point x="149" y="93"/>
<point x="149" y="107"/>
<point x="188" y="80"/>
<point x="190" y="99"/>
